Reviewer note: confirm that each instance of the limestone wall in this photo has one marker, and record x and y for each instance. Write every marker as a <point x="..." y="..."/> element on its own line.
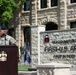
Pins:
<point x="35" y="43"/>
<point x="60" y="48"/>
<point x="61" y="14"/>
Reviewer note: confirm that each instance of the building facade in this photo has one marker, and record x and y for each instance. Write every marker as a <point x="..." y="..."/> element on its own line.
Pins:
<point x="49" y="14"/>
<point x="54" y="14"/>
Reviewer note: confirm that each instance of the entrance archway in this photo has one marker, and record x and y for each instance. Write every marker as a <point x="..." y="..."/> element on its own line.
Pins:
<point x="51" y="26"/>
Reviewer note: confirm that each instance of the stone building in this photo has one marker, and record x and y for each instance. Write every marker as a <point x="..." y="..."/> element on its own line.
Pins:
<point x="53" y="14"/>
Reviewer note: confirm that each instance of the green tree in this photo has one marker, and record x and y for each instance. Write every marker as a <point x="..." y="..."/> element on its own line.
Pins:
<point x="7" y="8"/>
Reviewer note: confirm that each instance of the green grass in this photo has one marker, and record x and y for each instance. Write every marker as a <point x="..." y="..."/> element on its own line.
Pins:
<point x="23" y="67"/>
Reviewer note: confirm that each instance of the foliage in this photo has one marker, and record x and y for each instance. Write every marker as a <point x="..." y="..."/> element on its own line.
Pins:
<point x="7" y="8"/>
<point x="22" y="50"/>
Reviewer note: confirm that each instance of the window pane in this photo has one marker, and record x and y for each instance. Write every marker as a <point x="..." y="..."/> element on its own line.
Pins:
<point x="27" y="5"/>
<point x="43" y="3"/>
<point x="54" y="2"/>
<point x="11" y="32"/>
<point x="27" y="35"/>
<point x="73" y="25"/>
<point x="73" y="1"/>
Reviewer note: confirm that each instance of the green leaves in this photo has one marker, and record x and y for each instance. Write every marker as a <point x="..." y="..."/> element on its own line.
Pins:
<point x="0" y="2"/>
<point x="22" y="1"/>
<point x="7" y="8"/>
<point x="7" y="16"/>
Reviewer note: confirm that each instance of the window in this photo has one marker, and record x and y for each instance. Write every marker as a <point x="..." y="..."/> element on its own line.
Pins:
<point x="11" y="32"/>
<point x="43" y="3"/>
<point x="72" y="24"/>
<point x="51" y="26"/>
<point x="27" y="38"/>
<point x="54" y="3"/>
<point x="27" y="5"/>
<point x="73" y="1"/>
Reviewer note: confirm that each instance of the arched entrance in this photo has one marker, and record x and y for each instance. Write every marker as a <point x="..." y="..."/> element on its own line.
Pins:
<point x="51" y="26"/>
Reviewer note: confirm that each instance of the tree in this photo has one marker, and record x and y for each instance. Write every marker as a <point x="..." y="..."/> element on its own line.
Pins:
<point x="7" y="8"/>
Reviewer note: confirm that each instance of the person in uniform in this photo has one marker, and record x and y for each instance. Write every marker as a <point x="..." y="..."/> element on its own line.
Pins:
<point x="5" y="39"/>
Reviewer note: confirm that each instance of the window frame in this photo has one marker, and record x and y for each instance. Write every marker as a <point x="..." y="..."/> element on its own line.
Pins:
<point x="72" y="2"/>
<point x="26" y="5"/>
<point x="44" y="4"/>
<point x="72" y="24"/>
<point x="53" y="4"/>
<point x="48" y="4"/>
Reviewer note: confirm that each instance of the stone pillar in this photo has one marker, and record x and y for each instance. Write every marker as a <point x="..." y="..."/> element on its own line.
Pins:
<point x="62" y="14"/>
<point x="34" y="7"/>
<point x="53" y="69"/>
<point x="35" y="43"/>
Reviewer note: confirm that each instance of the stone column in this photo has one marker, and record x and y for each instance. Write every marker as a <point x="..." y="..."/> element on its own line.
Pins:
<point x="34" y="7"/>
<point x="35" y="43"/>
<point x="62" y="14"/>
<point x="53" y="69"/>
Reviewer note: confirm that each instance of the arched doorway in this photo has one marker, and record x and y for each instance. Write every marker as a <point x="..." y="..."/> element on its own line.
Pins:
<point x="51" y="26"/>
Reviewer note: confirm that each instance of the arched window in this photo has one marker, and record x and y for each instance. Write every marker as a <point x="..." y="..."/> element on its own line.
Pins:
<point x="51" y="26"/>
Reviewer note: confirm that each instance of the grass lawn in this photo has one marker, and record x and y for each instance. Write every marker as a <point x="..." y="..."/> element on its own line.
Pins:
<point x="23" y="67"/>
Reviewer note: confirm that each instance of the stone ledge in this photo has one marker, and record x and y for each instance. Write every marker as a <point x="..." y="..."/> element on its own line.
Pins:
<point x="72" y="72"/>
<point x="53" y="69"/>
<point x="54" y="65"/>
<point x="27" y="73"/>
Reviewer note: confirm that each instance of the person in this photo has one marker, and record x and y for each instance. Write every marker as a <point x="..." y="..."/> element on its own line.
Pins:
<point x="27" y="57"/>
<point x="5" y="39"/>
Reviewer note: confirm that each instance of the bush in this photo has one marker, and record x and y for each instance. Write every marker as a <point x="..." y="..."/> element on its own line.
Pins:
<point x="22" y="50"/>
